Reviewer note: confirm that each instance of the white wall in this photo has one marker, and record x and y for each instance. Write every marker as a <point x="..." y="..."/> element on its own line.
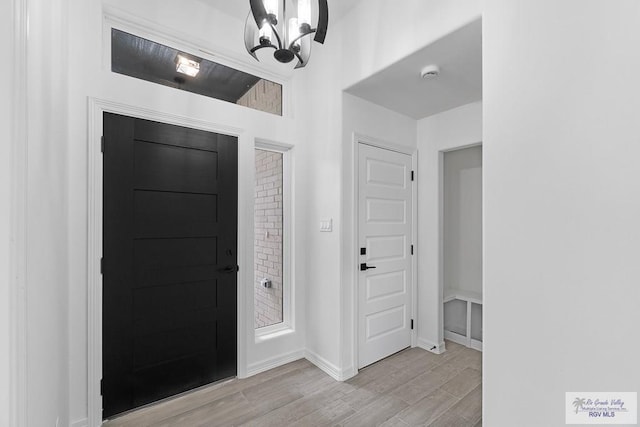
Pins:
<point x="318" y="117"/>
<point x="89" y="76"/>
<point x="449" y="130"/>
<point x="462" y="217"/>
<point x="561" y="205"/>
<point x="46" y="216"/>
<point x="380" y="32"/>
<point x="388" y="127"/>
<point x="352" y="52"/>
<point x="6" y="118"/>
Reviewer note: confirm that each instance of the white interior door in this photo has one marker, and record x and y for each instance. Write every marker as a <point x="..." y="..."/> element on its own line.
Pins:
<point x="385" y="221"/>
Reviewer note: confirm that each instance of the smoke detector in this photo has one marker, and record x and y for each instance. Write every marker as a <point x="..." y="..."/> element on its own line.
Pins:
<point x="430" y="72"/>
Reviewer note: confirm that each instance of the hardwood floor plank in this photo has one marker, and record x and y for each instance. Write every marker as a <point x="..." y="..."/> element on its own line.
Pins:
<point x="423" y="385"/>
<point x="330" y="415"/>
<point x="407" y="357"/>
<point x="470" y="407"/>
<point x="360" y="398"/>
<point x="256" y="411"/>
<point x="394" y="422"/>
<point x="217" y="410"/>
<point x="291" y="381"/>
<point x="386" y="383"/>
<point x="376" y="413"/>
<point x="411" y="388"/>
<point x="224" y="414"/>
<point x="292" y="412"/>
<point x="429" y="408"/>
<point x="463" y="383"/>
<point x="466" y="358"/>
<point x="450" y="419"/>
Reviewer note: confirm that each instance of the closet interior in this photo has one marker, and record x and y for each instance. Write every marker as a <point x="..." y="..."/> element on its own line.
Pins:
<point x="462" y="246"/>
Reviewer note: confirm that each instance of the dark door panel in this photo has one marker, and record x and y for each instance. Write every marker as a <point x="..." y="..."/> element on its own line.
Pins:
<point x="170" y="168"/>
<point x="172" y="215"/>
<point x="170" y="232"/>
<point x="167" y="261"/>
<point x="162" y="133"/>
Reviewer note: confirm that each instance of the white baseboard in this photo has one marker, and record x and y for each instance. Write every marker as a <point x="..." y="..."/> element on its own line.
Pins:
<point x="431" y="346"/>
<point x="455" y="337"/>
<point x="329" y="368"/>
<point x="347" y="373"/>
<point x="463" y="340"/>
<point x="274" y="362"/>
<point x="80" y="423"/>
<point x="476" y="345"/>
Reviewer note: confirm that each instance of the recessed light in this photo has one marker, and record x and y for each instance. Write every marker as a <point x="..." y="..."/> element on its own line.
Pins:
<point x="187" y="66"/>
<point x="430" y="72"/>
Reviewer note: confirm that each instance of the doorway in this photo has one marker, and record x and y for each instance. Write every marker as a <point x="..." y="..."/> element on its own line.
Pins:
<point x="462" y="246"/>
<point x="385" y="221"/>
<point x="170" y="261"/>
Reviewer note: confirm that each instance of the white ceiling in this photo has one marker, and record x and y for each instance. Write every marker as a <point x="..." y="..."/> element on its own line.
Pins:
<point x="400" y="87"/>
<point x="240" y="8"/>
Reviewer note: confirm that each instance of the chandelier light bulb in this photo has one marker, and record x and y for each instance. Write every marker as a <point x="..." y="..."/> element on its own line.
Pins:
<point x="266" y="33"/>
<point x="293" y="33"/>
<point x="272" y="7"/>
<point x="304" y="12"/>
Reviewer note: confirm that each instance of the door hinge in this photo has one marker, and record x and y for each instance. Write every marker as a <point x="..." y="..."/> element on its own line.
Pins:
<point x="101" y="265"/>
<point x="412" y="324"/>
<point x="411" y="249"/>
<point x="413" y="175"/>
<point x="102" y="144"/>
<point x="101" y="387"/>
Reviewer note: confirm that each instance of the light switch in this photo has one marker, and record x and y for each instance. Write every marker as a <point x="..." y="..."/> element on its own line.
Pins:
<point x="326" y="225"/>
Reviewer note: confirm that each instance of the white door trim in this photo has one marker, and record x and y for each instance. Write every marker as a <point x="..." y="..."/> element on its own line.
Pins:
<point x="288" y="251"/>
<point x="18" y="244"/>
<point x="96" y="108"/>
<point x="357" y="139"/>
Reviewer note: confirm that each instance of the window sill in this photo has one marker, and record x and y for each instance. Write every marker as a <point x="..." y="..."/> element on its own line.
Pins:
<point x="272" y="332"/>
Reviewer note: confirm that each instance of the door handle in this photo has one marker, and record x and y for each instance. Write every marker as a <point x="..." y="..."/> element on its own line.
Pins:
<point x="230" y="269"/>
<point x="364" y="267"/>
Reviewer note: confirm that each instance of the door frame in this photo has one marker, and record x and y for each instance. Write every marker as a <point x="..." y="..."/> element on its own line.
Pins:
<point x="357" y="139"/>
<point x="440" y="237"/>
<point x="96" y="108"/>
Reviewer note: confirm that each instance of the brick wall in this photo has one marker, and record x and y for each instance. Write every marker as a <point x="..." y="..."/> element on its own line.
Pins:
<point x="263" y="96"/>
<point x="268" y="235"/>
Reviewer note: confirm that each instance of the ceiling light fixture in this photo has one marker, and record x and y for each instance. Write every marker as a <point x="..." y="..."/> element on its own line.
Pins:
<point x="187" y="66"/>
<point x="290" y="38"/>
<point x="430" y="72"/>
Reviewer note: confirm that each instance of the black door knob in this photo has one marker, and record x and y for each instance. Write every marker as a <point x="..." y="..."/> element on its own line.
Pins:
<point x="364" y="267"/>
<point x="230" y="269"/>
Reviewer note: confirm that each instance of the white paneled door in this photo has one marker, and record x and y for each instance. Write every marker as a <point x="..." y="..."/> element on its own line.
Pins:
<point x="385" y="221"/>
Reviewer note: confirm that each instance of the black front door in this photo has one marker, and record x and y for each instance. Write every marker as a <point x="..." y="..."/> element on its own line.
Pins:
<point x="169" y="266"/>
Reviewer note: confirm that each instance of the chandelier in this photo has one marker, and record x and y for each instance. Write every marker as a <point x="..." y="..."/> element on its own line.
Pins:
<point x="269" y="26"/>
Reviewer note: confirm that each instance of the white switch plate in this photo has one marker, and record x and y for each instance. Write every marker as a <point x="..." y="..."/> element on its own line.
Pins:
<point x="326" y="225"/>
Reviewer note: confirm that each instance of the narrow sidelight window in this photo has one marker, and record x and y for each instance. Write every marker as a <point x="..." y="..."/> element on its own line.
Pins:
<point x="269" y="252"/>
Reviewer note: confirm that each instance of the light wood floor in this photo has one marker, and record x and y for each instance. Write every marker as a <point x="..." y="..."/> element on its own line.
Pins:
<point x="411" y="388"/>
